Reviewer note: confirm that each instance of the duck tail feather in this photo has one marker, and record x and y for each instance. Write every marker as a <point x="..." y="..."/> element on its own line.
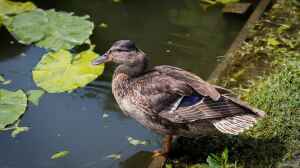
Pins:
<point x="258" y="113"/>
<point x="236" y="124"/>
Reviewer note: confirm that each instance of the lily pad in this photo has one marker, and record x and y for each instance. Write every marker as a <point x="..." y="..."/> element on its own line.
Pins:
<point x="19" y="130"/>
<point x="34" y="96"/>
<point x="61" y="71"/>
<point x="60" y="154"/>
<point x="136" y="142"/>
<point x="10" y="7"/>
<point x="51" y="29"/>
<point x="12" y="106"/>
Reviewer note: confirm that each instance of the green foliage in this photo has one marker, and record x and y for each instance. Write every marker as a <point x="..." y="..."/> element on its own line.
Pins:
<point x="215" y="161"/>
<point x="51" y="29"/>
<point x="10" y="7"/>
<point x="12" y="106"/>
<point x="61" y="71"/>
<point x="279" y="96"/>
<point x="60" y="154"/>
<point x="34" y="96"/>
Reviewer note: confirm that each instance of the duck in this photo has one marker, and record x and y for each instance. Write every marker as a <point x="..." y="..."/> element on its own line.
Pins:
<point x="172" y="101"/>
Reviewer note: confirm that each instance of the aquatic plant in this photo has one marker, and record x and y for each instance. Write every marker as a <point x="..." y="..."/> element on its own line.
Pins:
<point x="61" y="71"/>
<point x="51" y="29"/>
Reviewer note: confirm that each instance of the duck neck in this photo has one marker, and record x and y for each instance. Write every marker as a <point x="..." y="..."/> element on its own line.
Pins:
<point x="134" y="69"/>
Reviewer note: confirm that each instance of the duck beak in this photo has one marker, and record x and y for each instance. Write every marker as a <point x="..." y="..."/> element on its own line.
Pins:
<point x="100" y="60"/>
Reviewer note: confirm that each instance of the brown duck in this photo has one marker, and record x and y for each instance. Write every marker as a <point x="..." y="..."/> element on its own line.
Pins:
<point x="172" y="101"/>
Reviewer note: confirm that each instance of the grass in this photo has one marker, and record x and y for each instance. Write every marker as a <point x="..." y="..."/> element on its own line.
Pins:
<point x="265" y="73"/>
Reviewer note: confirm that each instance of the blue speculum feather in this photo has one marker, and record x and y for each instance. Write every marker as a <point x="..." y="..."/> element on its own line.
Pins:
<point x="190" y="100"/>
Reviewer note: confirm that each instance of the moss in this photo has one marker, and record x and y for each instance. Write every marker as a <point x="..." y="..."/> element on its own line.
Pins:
<point x="265" y="72"/>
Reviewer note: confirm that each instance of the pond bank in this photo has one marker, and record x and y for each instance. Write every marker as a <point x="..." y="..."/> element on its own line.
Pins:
<point x="264" y="71"/>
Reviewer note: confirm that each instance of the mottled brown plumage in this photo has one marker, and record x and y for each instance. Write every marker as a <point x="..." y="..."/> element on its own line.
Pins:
<point x="172" y="101"/>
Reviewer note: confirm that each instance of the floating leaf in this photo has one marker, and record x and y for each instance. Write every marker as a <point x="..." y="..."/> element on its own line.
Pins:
<point x="114" y="156"/>
<point x="18" y="130"/>
<point x="136" y="142"/>
<point x="3" y="81"/>
<point x="34" y="96"/>
<point x="61" y="71"/>
<point x="12" y="106"/>
<point x="10" y="7"/>
<point x="60" y="154"/>
<point x="51" y="29"/>
<point x="6" y="82"/>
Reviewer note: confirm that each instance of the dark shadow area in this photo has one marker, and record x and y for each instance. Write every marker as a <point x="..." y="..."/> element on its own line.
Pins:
<point x="248" y="151"/>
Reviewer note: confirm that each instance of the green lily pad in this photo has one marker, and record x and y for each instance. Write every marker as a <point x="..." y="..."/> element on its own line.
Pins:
<point x="51" y="29"/>
<point x="60" y="154"/>
<point x="61" y="71"/>
<point x="12" y="106"/>
<point x="10" y="7"/>
<point x="34" y="96"/>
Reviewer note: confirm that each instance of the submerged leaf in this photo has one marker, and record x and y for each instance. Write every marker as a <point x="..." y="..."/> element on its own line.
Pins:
<point x="136" y="142"/>
<point x="114" y="156"/>
<point x="12" y="106"/>
<point x="51" y="29"/>
<point x="19" y="130"/>
<point x="61" y="71"/>
<point x="60" y="154"/>
<point x="34" y="96"/>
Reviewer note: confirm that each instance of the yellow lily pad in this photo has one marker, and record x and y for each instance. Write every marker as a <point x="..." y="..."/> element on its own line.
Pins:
<point x="10" y="7"/>
<point x="61" y="71"/>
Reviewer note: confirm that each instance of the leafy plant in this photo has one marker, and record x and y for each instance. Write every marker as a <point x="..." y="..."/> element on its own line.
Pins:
<point x="12" y="106"/>
<point x="51" y="29"/>
<point x="61" y="71"/>
<point x="215" y="161"/>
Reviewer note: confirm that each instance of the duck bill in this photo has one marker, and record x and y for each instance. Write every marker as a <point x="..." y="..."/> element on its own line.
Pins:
<point x="101" y="60"/>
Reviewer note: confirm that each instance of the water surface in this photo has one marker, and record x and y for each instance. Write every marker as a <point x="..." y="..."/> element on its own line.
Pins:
<point x="173" y="32"/>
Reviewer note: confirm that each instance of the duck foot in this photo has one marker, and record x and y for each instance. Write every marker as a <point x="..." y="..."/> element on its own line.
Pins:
<point x="166" y="147"/>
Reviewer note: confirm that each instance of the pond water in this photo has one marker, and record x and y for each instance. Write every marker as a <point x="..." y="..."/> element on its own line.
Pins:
<point x="174" y="32"/>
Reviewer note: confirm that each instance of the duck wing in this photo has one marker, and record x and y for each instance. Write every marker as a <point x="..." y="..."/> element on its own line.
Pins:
<point x="214" y="104"/>
<point x="199" y="85"/>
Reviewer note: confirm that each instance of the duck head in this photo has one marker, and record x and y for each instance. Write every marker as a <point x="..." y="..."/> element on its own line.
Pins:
<point x="121" y="52"/>
<point x="132" y="60"/>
